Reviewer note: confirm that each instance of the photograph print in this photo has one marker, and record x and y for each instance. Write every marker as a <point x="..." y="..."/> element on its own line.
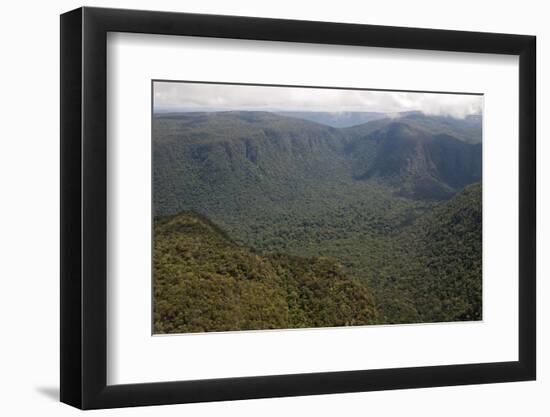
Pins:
<point x="283" y="207"/>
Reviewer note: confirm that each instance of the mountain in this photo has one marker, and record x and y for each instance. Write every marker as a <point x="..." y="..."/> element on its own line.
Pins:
<point x="203" y="281"/>
<point x="467" y="129"/>
<point x="423" y="164"/>
<point x="264" y="158"/>
<point x="436" y="274"/>
<point x="215" y="161"/>
<point x="335" y="119"/>
<point x="451" y="238"/>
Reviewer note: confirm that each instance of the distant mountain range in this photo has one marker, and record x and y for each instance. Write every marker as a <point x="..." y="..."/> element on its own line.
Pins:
<point x="336" y="119"/>
<point x="418" y="156"/>
<point x="353" y="118"/>
<point x="467" y="128"/>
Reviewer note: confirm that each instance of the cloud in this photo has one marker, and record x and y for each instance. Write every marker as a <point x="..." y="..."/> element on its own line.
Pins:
<point x="216" y="97"/>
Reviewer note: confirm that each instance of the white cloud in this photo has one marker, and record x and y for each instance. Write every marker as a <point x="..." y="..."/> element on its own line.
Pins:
<point x="216" y="97"/>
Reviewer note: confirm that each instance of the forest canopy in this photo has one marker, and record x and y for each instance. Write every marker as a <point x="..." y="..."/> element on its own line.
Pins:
<point x="267" y="221"/>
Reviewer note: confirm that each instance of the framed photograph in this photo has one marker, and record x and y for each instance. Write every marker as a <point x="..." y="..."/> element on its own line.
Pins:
<point x="258" y="208"/>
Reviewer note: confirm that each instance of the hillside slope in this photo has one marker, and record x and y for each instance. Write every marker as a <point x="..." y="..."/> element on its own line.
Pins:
<point x="436" y="272"/>
<point x="421" y="164"/>
<point x="203" y="281"/>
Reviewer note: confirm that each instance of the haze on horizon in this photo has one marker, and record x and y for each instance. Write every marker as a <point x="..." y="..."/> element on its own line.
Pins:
<point x="194" y="96"/>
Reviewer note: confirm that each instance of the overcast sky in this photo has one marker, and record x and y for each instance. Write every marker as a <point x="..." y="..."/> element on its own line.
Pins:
<point x="217" y="97"/>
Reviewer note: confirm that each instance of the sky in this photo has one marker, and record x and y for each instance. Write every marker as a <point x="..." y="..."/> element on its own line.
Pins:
<point x="185" y="96"/>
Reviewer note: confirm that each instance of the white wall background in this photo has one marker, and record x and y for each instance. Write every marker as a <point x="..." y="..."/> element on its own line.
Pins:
<point x="29" y="225"/>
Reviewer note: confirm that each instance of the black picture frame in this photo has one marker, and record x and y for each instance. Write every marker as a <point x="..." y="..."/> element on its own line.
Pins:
<point x="84" y="207"/>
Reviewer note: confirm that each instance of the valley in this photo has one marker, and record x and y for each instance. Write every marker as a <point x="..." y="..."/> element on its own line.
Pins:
<point x="394" y="204"/>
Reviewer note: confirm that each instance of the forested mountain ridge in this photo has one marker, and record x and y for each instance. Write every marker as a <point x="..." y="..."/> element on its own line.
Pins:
<point x="206" y="282"/>
<point x="451" y="236"/>
<point x="335" y="119"/>
<point x="467" y="129"/>
<point x="436" y="271"/>
<point x="423" y="165"/>
<point x="253" y="154"/>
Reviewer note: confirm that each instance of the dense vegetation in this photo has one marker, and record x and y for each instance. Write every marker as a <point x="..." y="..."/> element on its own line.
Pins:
<point x="206" y="282"/>
<point x="373" y="205"/>
<point x="434" y="273"/>
<point x="204" y="160"/>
